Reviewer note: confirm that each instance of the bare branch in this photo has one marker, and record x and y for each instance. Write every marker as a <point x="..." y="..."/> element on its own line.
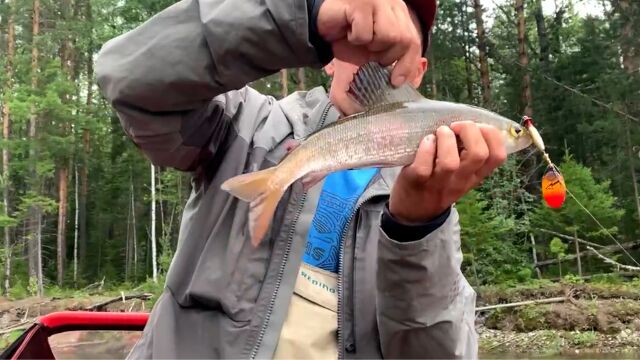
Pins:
<point x="523" y="303"/>
<point x="571" y="238"/>
<point x="613" y="262"/>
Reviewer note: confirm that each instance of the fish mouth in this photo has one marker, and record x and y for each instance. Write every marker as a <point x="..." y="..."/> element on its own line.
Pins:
<point x="523" y="143"/>
<point x="516" y="144"/>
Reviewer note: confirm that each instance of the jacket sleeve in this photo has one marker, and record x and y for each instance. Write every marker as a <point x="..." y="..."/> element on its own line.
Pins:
<point x="173" y="78"/>
<point x="426" y="308"/>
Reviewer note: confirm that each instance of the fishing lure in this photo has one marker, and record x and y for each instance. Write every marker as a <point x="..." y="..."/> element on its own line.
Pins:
<point x="554" y="190"/>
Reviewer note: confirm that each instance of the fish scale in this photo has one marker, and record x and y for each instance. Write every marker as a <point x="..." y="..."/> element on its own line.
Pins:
<point x="386" y="134"/>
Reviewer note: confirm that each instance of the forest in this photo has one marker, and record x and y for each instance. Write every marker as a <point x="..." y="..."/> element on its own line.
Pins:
<point x="82" y="206"/>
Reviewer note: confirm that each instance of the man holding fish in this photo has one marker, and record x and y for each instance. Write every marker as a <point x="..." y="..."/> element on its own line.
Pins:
<point x="361" y="257"/>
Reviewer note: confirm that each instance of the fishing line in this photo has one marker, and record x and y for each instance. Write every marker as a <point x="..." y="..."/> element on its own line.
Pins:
<point x="578" y="92"/>
<point x="555" y="169"/>
<point x="526" y="157"/>
<point x="602" y="227"/>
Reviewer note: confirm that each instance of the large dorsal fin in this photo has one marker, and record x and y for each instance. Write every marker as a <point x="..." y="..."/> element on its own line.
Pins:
<point x="371" y="86"/>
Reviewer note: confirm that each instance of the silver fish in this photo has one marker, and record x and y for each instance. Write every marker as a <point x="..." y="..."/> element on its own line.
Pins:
<point x="386" y="134"/>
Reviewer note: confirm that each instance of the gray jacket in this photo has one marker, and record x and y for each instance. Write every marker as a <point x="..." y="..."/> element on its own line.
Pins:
<point x="179" y="86"/>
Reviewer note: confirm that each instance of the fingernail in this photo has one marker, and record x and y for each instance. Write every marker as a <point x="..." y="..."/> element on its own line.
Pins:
<point x="430" y="138"/>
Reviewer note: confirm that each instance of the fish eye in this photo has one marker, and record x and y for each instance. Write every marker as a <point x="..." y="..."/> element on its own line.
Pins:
<point x="516" y="131"/>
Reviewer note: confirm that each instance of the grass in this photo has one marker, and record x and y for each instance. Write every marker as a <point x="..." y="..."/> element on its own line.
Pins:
<point x="583" y="338"/>
<point x="9" y="338"/>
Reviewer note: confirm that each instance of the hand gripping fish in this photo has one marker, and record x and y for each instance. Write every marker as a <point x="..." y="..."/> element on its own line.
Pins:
<point x="386" y="134"/>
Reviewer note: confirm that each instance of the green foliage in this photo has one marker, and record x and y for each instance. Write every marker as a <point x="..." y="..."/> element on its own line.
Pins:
<point x="592" y="194"/>
<point x="584" y="338"/>
<point x="18" y="290"/>
<point x="57" y="292"/>
<point x="489" y="237"/>
<point x="531" y="317"/>
<point x="557" y="247"/>
<point x="610" y="279"/>
<point x="572" y="279"/>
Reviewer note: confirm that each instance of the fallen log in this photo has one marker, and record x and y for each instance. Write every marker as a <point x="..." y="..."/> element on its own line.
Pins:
<point x="613" y="262"/>
<point x="605" y="250"/>
<point x="100" y="306"/>
<point x="571" y="238"/>
<point x="523" y="303"/>
<point x="624" y="274"/>
<point x="20" y="326"/>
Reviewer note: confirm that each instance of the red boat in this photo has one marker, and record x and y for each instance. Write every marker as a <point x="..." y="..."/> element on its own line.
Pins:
<point x="79" y="335"/>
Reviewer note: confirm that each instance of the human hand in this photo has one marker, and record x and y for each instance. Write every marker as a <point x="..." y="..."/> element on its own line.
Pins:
<point x="372" y="30"/>
<point x="440" y="174"/>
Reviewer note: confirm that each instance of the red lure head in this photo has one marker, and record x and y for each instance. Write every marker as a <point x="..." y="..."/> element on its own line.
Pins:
<point x="554" y="190"/>
<point x="527" y="121"/>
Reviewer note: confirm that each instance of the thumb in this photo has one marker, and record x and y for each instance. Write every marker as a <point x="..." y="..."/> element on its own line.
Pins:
<point x="422" y="167"/>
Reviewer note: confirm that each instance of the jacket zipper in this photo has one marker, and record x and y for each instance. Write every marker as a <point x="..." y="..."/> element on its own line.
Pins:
<point x="341" y="274"/>
<point x="285" y="257"/>
<point x="323" y="117"/>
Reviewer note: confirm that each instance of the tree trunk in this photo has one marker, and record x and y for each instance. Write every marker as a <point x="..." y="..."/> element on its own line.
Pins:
<point x="39" y="279"/>
<point x="482" y="55"/>
<point x="6" y="118"/>
<point x="628" y="10"/>
<point x="543" y="38"/>
<point x="84" y="170"/>
<point x="75" y="230"/>
<point x="68" y="66"/>
<point x="160" y="204"/>
<point x="35" y="230"/>
<point x="84" y="188"/>
<point x="524" y="60"/>
<point x="135" y="244"/>
<point x="631" y="63"/>
<point x="284" y="82"/>
<point x="434" y="81"/>
<point x="467" y="53"/>
<point x="632" y="170"/>
<point x="154" y="260"/>
<point x="301" y="79"/>
<point x="128" y="248"/>
<point x="62" y="222"/>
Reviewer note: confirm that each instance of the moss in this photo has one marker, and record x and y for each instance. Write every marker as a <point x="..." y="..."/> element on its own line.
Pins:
<point x="531" y="317"/>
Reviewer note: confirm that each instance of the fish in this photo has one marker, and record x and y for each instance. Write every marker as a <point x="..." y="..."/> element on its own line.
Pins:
<point x="386" y="133"/>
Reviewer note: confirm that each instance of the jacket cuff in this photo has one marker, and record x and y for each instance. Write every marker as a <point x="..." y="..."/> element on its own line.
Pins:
<point x="407" y="233"/>
<point x="323" y="48"/>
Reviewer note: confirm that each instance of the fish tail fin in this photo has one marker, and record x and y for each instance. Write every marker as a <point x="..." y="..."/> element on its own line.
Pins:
<point x="256" y="188"/>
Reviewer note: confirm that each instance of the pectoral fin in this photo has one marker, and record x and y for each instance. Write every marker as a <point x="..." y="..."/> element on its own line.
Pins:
<point x="371" y="87"/>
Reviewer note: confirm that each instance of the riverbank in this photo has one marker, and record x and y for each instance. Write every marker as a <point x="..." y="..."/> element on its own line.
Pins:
<point x="594" y="321"/>
<point x="500" y="344"/>
<point x="599" y="320"/>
